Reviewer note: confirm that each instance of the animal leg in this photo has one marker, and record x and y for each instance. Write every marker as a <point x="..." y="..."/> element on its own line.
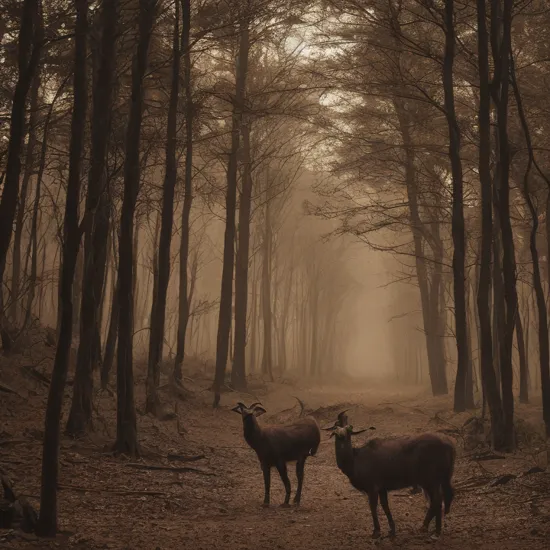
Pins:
<point x="435" y="510"/>
<point x="438" y="505"/>
<point x="300" y="464"/>
<point x="386" y="508"/>
<point x="430" y="513"/>
<point x="373" y="503"/>
<point x="267" y="483"/>
<point x="286" y="482"/>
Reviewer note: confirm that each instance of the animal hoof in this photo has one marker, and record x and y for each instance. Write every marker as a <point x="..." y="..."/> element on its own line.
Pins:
<point x="435" y="536"/>
<point x="265" y="505"/>
<point x="375" y="534"/>
<point x="391" y="534"/>
<point x="285" y="505"/>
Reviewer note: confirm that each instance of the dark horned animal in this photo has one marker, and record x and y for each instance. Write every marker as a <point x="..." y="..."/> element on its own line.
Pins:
<point x="383" y="465"/>
<point x="277" y="445"/>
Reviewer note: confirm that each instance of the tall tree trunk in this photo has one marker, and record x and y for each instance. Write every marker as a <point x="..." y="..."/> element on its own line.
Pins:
<point x="458" y="226"/>
<point x="489" y="382"/>
<point x="226" y="295"/>
<point x="284" y="318"/>
<point x="314" y="305"/>
<point x="158" y="310"/>
<point x="238" y="373"/>
<point x="267" y="360"/>
<point x="184" y="303"/>
<point x="97" y="231"/>
<point x="47" y="521"/>
<point x="434" y="358"/>
<point x="77" y="288"/>
<point x="253" y="321"/>
<point x="501" y="81"/>
<point x="126" y="438"/>
<point x="20" y="217"/>
<point x="544" y="343"/>
<point x="30" y="42"/>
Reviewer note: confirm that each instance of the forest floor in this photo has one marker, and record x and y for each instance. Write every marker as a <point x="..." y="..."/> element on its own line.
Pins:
<point x="111" y="502"/>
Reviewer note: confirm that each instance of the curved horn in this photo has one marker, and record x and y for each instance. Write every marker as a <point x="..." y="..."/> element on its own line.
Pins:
<point x="254" y="404"/>
<point x="363" y="430"/>
<point x="241" y="404"/>
<point x="330" y="428"/>
<point x="301" y="403"/>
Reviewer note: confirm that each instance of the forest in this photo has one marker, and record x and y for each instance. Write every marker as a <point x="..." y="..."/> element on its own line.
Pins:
<point x="318" y="207"/>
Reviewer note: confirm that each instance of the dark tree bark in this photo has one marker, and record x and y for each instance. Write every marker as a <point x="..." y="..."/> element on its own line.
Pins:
<point x="126" y="438"/>
<point x="77" y="288"/>
<point x="238" y="373"/>
<point x="489" y="382"/>
<point x="35" y="217"/>
<point x="158" y="309"/>
<point x="184" y="300"/>
<point x="97" y="231"/>
<point x="523" y="368"/>
<point x="252" y="360"/>
<point x="112" y="332"/>
<point x="458" y="226"/>
<point x="47" y="522"/>
<point x="284" y="319"/>
<point x="502" y="25"/>
<point x="20" y="217"/>
<point x="499" y="305"/>
<point x="267" y="360"/>
<point x="433" y="346"/>
<point x="544" y="343"/>
<point x="226" y="295"/>
<point x="30" y="42"/>
<point x="314" y="306"/>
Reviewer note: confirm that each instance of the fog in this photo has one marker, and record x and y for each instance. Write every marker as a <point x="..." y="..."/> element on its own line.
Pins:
<point x="236" y="235"/>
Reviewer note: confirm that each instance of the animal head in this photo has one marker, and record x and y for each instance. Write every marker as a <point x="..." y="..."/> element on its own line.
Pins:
<point x="343" y="431"/>
<point x="253" y="410"/>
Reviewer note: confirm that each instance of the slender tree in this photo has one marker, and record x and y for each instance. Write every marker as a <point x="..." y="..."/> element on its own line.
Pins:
<point x="47" y="522"/>
<point x="30" y="42"/>
<point x="183" y="300"/>
<point x="462" y="398"/>
<point x="238" y="373"/>
<point x="501" y="42"/>
<point x="126" y="437"/>
<point x="226" y="297"/>
<point x="20" y="217"/>
<point x="97" y="230"/>
<point x="544" y="343"/>
<point x="488" y="376"/>
<point x="158" y="309"/>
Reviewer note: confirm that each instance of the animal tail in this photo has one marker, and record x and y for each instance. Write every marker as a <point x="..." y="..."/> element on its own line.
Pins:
<point x="448" y="495"/>
<point x="313" y="450"/>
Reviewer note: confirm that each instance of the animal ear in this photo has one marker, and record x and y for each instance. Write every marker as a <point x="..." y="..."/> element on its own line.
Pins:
<point x="258" y="411"/>
<point x="238" y="408"/>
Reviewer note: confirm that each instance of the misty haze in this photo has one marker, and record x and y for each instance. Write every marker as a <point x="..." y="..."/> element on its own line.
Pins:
<point x="274" y="274"/>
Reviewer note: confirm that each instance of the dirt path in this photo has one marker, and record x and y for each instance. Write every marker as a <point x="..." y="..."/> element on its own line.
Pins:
<point x="220" y="506"/>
